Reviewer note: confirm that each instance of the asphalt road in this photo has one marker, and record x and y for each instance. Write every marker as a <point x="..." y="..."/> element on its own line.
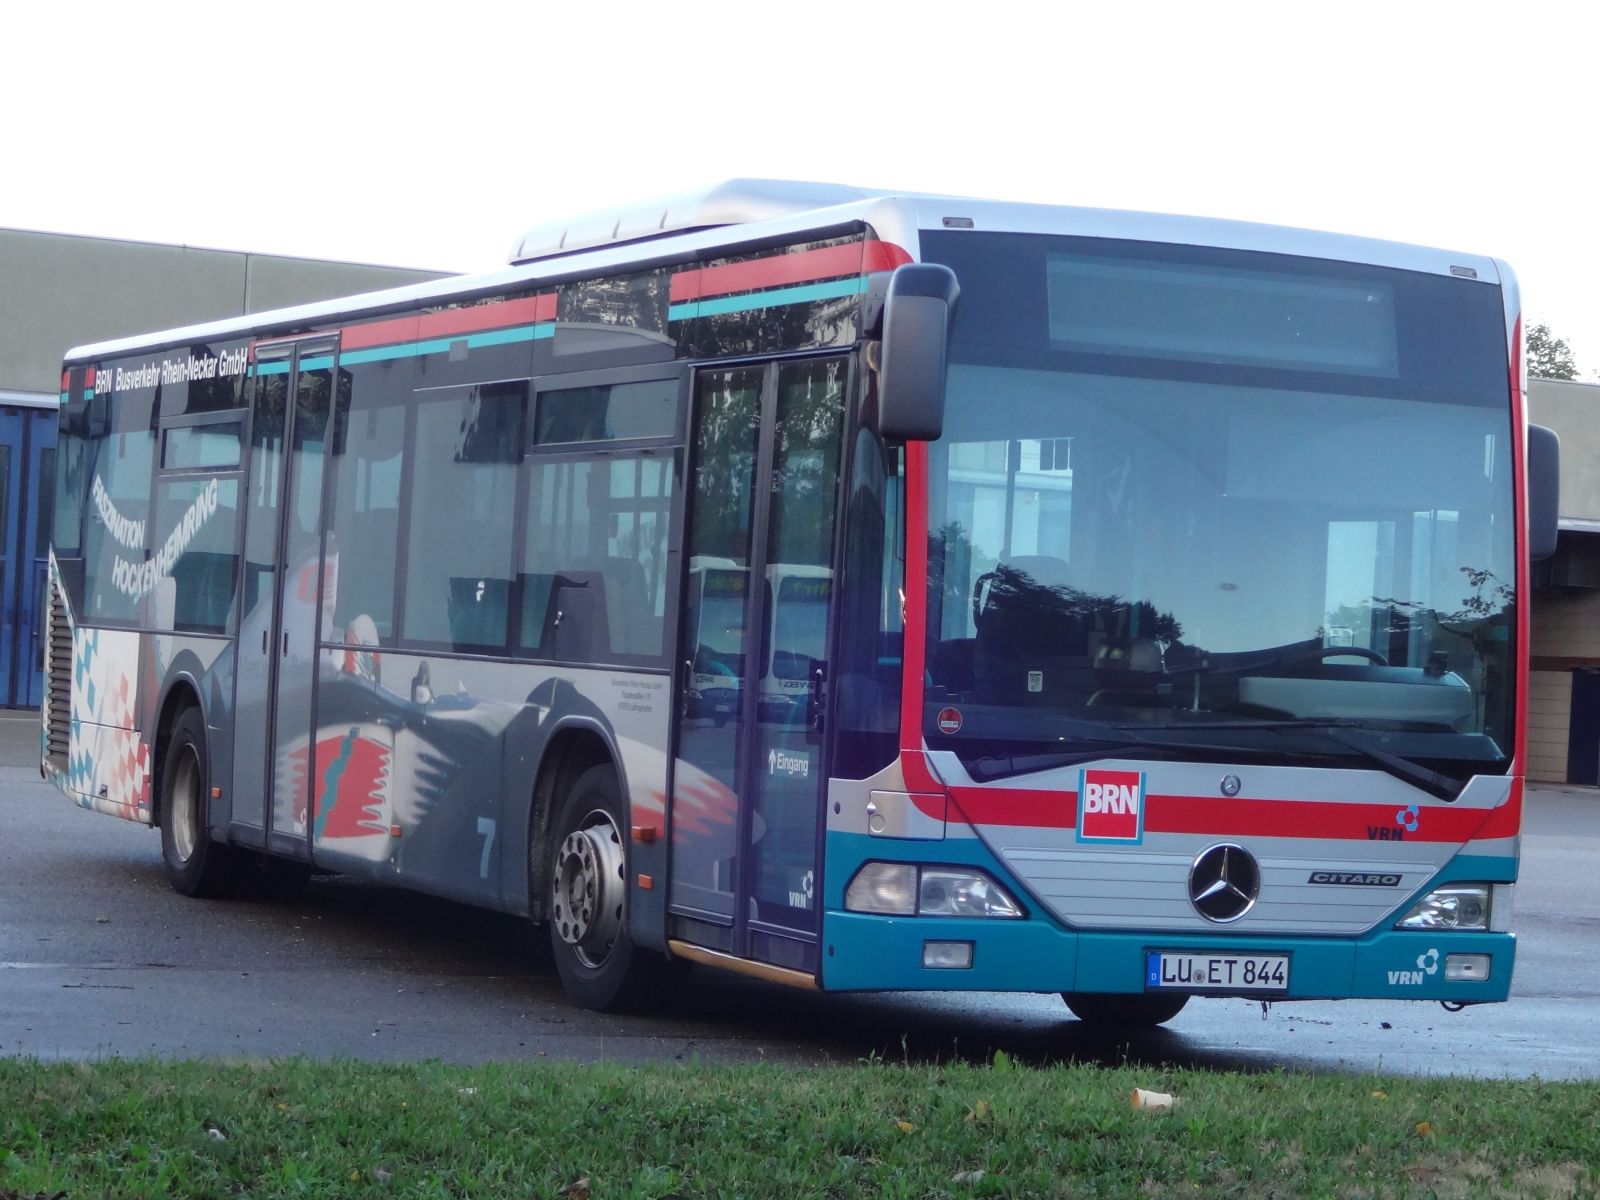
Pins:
<point x="99" y="957"/>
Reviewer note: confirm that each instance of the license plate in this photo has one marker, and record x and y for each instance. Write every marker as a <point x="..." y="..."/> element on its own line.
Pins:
<point x="1231" y="973"/>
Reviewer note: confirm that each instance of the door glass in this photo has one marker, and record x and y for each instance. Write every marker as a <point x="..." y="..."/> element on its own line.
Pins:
<point x="301" y="603"/>
<point x="787" y="760"/>
<point x="264" y="484"/>
<point x="705" y="789"/>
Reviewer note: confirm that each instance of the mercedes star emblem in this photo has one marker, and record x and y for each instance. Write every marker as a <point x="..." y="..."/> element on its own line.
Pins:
<point x="1223" y="883"/>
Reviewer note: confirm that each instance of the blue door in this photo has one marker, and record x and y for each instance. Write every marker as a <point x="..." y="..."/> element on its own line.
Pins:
<point x="33" y="537"/>
<point x="27" y="499"/>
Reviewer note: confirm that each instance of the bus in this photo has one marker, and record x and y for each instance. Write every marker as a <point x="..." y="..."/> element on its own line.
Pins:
<point x="1142" y="608"/>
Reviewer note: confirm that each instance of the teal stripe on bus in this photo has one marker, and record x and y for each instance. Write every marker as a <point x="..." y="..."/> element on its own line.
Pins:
<point x="272" y="368"/>
<point x="773" y="299"/>
<point x="475" y="341"/>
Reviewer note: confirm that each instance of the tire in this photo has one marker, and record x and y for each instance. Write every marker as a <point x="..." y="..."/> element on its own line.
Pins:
<point x="1131" y="1010"/>
<point x="196" y="865"/>
<point x="599" y="965"/>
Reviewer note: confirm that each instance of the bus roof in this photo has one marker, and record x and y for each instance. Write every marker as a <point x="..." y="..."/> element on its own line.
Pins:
<point x="747" y="211"/>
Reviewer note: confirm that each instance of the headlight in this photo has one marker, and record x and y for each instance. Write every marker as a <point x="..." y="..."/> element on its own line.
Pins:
<point x="1456" y="906"/>
<point x="950" y="893"/>
<point x="904" y="890"/>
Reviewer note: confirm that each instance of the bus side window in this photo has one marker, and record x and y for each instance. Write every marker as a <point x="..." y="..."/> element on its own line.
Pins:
<point x="460" y="511"/>
<point x="871" y="638"/>
<point x="601" y="526"/>
<point x="364" y="519"/>
<point x="120" y="464"/>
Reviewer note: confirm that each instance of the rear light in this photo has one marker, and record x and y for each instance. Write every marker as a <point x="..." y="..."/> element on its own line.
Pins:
<point x="905" y="890"/>
<point x="1457" y="906"/>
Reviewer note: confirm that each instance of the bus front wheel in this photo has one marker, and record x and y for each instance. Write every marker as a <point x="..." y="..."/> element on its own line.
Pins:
<point x="1124" y="1010"/>
<point x="600" y="967"/>
<point x="196" y="865"/>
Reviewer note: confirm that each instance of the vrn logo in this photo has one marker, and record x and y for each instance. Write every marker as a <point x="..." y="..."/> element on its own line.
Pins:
<point x="1110" y="806"/>
<point x="1427" y="964"/>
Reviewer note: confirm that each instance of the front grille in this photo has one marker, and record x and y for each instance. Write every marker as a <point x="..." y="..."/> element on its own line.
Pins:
<point x="57" y="678"/>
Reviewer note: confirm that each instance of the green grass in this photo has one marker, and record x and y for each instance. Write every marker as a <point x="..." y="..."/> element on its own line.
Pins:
<point x="298" y="1128"/>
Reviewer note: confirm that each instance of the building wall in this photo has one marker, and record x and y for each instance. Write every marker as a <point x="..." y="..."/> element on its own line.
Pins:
<point x="1565" y="622"/>
<point x="59" y="291"/>
<point x="1566" y="636"/>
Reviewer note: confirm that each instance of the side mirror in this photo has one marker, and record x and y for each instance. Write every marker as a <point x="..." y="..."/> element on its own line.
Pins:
<point x="917" y="307"/>
<point x="1544" y="491"/>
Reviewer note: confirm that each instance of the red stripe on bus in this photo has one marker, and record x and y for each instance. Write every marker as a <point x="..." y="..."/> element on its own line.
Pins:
<point x="806" y="266"/>
<point x="66" y="380"/>
<point x="773" y="271"/>
<point x="503" y="313"/>
<point x="1212" y="816"/>
<point x="915" y="605"/>
<point x="1524" y="573"/>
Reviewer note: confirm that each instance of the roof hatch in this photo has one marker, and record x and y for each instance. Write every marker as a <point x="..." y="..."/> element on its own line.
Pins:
<point x="732" y="202"/>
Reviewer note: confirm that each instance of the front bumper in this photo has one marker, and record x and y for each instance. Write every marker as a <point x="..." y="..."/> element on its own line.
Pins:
<point x="863" y="952"/>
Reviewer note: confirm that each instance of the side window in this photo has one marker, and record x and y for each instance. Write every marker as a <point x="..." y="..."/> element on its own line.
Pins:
<point x="194" y="568"/>
<point x="119" y="465"/>
<point x="462" y="504"/>
<point x="364" y="528"/>
<point x="594" y="568"/>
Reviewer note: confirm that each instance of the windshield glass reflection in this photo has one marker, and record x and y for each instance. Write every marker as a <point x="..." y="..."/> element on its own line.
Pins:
<point x="1121" y="557"/>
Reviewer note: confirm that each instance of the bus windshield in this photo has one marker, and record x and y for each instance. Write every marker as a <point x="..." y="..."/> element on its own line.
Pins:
<point x="1218" y="504"/>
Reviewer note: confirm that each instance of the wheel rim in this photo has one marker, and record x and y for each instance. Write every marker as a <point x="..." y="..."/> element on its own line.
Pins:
<point x="183" y="803"/>
<point x="589" y="878"/>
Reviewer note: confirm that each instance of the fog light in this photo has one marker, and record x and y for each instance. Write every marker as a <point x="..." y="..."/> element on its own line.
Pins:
<point x="947" y="956"/>
<point x="1460" y="968"/>
<point x="881" y="887"/>
<point x="1457" y="906"/>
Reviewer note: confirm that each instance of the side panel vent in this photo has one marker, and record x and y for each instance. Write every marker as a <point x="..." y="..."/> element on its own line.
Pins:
<point x="57" y="679"/>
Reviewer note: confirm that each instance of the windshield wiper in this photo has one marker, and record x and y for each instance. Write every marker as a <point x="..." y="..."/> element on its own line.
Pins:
<point x="1445" y="787"/>
<point x="996" y="766"/>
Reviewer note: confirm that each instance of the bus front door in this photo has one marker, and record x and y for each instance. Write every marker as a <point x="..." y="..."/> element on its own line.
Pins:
<point x="749" y="779"/>
<point x="276" y="682"/>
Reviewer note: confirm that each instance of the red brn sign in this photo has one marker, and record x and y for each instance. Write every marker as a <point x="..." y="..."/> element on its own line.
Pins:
<point x="1110" y="806"/>
<point x="949" y="720"/>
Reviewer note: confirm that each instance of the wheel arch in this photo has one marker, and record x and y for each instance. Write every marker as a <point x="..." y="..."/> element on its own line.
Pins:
<point x="576" y="744"/>
<point x="180" y="692"/>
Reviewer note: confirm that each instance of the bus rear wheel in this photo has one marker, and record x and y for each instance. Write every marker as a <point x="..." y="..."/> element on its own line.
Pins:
<point x="196" y="865"/>
<point x="600" y="967"/>
<point x="1124" y="1010"/>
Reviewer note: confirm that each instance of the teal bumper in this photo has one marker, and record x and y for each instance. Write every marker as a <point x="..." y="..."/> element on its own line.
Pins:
<point x="1037" y="954"/>
<point x="870" y="953"/>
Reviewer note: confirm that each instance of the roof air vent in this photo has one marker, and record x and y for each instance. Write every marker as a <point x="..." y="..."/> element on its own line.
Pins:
<point x="734" y="202"/>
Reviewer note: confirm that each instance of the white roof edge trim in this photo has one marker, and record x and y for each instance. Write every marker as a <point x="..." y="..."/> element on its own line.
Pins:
<point x="895" y="217"/>
<point x="30" y="399"/>
<point x="1220" y="232"/>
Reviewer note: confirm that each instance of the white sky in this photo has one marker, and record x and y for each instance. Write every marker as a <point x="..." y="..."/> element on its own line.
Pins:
<point x="432" y="135"/>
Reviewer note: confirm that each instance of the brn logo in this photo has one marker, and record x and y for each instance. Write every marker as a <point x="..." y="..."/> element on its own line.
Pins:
<point x="1110" y="806"/>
